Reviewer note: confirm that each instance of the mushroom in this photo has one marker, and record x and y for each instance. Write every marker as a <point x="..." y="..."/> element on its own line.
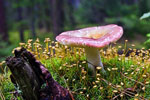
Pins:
<point x="92" y="39"/>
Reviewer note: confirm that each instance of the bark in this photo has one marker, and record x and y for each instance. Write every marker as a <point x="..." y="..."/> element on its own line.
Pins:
<point x="24" y="75"/>
<point x="3" y="25"/>
<point x="57" y="11"/>
<point x="30" y="75"/>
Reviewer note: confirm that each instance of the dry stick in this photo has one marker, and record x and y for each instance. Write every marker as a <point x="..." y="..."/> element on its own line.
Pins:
<point x="113" y="86"/>
<point x="66" y="83"/>
<point x="138" y="79"/>
<point x="134" y="81"/>
<point x="1" y="95"/>
<point x="131" y="79"/>
<point x="115" y="97"/>
<point x="142" y="73"/>
<point x="124" y="92"/>
<point x="1" y="67"/>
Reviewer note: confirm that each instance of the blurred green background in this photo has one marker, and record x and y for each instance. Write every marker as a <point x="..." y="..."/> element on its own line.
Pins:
<point x="24" y="19"/>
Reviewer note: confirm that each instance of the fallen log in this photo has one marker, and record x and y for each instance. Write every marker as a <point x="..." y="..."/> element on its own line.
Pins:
<point x="30" y="74"/>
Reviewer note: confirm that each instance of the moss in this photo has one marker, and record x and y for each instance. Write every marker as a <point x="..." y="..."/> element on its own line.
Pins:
<point x="125" y="76"/>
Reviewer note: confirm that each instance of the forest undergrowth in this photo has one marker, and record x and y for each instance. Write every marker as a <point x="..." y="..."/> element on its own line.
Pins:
<point x="127" y="75"/>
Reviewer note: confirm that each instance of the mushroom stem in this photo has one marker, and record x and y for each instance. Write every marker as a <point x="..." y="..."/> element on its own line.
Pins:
<point x="93" y="58"/>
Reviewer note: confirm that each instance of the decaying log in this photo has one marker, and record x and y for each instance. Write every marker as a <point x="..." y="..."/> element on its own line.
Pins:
<point x="29" y="74"/>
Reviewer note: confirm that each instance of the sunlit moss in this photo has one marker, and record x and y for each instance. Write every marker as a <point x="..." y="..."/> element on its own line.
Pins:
<point x="124" y="71"/>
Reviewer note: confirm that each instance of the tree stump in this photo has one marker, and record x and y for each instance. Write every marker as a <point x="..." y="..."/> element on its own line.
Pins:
<point x="29" y="74"/>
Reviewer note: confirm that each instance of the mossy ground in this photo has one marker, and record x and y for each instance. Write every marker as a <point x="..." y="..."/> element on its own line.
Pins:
<point x="126" y="77"/>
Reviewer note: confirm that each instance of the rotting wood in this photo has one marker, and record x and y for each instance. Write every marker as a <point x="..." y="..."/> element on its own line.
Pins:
<point x="30" y="74"/>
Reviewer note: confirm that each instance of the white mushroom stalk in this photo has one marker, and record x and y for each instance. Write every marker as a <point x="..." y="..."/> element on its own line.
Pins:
<point x="93" y="59"/>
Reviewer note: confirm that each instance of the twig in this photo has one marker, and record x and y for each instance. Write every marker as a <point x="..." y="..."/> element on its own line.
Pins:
<point x="131" y="79"/>
<point x="115" y="97"/>
<point x="66" y="83"/>
<point x="1" y="95"/>
<point x="124" y="91"/>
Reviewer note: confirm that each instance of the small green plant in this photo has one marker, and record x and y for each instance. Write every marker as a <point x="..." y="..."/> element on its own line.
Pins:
<point x="147" y="42"/>
<point x="145" y="15"/>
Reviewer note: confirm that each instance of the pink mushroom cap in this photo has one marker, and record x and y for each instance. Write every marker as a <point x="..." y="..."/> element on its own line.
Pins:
<point x="97" y="37"/>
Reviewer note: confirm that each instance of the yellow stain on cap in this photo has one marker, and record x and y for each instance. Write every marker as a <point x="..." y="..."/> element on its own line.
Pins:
<point x="96" y="34"/>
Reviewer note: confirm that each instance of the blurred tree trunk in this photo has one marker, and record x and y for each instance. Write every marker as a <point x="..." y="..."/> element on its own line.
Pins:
<point x="33" y="19"/>
<point x="57" y="10"/>
<point x="70" y="4"/>
<point x="3" y="25"/>
<point x="143" y="7"/>
<point x="47" y="21"/>
<point x="19" y="19"/>
<point x="129" y="2"/>
<point x="44" y="15"/>
<point x="40" y="23"/>
<point x="33" y="27"/>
